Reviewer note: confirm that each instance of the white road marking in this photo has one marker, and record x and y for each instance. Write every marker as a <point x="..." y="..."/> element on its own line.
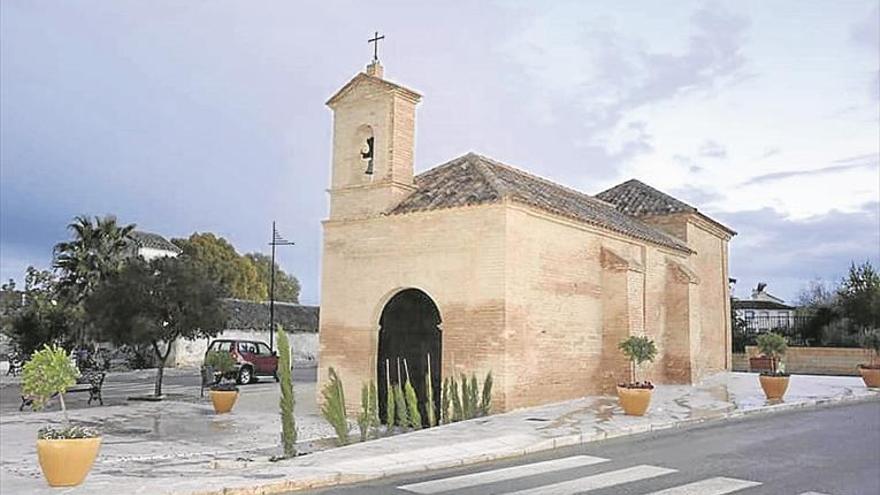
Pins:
<point x="813" y="493"/>
<point x="597" y="481"/>
<point x="503" y="474"/>
<point x="711" y="486"/>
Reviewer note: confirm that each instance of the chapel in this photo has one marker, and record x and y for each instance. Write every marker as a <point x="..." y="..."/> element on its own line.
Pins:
<point x="476" y="266"/>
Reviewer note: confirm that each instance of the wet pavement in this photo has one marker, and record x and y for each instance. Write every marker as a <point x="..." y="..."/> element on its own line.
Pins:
<point x="182" y="447"/>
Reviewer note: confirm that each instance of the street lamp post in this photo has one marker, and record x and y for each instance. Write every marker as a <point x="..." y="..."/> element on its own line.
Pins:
<point x="277" y="240"/>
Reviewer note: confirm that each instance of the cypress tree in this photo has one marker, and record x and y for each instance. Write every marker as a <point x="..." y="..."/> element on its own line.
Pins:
<point x="286" y="402"/>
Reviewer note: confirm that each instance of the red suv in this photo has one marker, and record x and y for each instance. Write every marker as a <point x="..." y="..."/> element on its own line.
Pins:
<point x="252" y="357"/>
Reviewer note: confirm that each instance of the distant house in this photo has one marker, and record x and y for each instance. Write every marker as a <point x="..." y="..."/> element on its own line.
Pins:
<point x="764" y="311"/>
<point x="150" y="246"/>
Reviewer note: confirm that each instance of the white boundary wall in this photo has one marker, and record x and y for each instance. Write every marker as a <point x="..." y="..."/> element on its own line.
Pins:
<point x="303" y="347"/>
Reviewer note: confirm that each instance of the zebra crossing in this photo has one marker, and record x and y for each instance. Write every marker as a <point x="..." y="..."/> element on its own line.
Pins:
<point x="482" y="482"/>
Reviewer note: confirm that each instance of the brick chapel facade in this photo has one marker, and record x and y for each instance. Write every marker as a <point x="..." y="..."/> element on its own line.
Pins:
<point x="486" y="267"/>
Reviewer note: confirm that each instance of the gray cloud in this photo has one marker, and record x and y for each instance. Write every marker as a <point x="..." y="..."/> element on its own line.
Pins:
<point x="711" y="149"/>
<point x="858" y="162"/>
<point x="789" y="253"/>
<point x="865" y="33"/>
<point x="625" y="75"/>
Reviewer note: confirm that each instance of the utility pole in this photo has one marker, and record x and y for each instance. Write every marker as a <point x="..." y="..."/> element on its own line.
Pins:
<point x="277" y="240"/>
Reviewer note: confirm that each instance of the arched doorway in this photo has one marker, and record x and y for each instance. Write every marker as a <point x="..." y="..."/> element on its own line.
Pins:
<point x="409" y="329"/>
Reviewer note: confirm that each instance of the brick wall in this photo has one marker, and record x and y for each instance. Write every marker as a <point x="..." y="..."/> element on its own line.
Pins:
<point x="818" y="360"/>
<point x="455" y="256"/>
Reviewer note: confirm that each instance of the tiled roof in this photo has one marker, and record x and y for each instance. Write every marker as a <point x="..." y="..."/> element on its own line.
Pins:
<point x="151" y="240"/>
<point x="474" y="179"/>
<point x="637" y="198"/>
<point x="755" y="304"/>
<point x="249" y="315"/>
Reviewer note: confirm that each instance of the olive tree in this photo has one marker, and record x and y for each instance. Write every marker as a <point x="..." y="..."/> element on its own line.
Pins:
<point x="156" y="303"/>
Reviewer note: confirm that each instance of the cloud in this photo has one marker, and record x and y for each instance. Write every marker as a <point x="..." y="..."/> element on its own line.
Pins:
<point x="711" y="149"/>
<point x="853" y="163"/>
<point x="789" y="253"/>
<point x="865" y="34"/>
<point x="696" y="196"/>
<point x="770" y="151"/>
<point x="594" y="76"/>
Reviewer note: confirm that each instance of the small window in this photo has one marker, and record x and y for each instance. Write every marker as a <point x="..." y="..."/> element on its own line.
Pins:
<point x="750" y="315"/>
<point x="263" y="349"/>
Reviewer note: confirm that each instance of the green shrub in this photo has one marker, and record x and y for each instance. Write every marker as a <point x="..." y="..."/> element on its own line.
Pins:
<point x="412" y="401"/>
<point x="389" y="399"/>
<point x="473" y="397"/>
<point x="486" y="398"/>
<point x="457" y="411"/>
<point x="444" y="402"/>
<point x="465" y="398"/>
<point x="638" y="350"/>
<point x="224" y="364"/>
<point x="429" y="400"/>
<point x="400" y="400"/>
<point x="369" y="415"/>
<point x="773" y="346"/>
<point x="333" y="408"/>
<point x="286" y="402"/>
<point x="48" y="372"/>
<point x="412" y="405"/>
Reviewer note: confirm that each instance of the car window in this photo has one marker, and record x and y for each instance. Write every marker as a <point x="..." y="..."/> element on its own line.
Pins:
<point x="224" y="346"/>
<point x="263" y="349"/>
<point x="247" y="347"/>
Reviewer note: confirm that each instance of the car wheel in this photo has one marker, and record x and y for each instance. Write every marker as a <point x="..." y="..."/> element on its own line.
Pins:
<point x="245" y="375"/>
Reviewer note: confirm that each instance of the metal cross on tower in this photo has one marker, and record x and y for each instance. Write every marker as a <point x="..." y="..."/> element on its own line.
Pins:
<point x="277" y="240"/>
<point x="375" y="41"/>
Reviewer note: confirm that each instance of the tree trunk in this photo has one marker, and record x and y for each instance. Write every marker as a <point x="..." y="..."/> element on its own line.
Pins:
<point x="160" y="372"/>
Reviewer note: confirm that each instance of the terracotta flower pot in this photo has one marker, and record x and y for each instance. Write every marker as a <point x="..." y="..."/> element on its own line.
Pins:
<point x="223" y="400"/>
<point x="67" y="462"/>
<point x="634" y="401"/>
<point x="774" y="386"/>
<point x="871" y="376"/>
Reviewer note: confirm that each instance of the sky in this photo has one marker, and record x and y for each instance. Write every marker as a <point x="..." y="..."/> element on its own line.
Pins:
<point x="209" y="116"/>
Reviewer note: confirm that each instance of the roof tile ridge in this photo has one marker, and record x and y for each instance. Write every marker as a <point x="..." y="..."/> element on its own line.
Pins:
<point x="538" y="178"/>
<point x="481" y="163"/>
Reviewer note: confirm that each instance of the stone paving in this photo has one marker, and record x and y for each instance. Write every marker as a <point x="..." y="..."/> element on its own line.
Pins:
<point x="182" y="448"/>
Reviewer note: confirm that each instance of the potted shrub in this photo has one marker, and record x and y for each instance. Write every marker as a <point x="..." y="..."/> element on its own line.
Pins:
<point x="871" y="372"/>
<point x="224" y="391"/>
<point x="66" y="454"/>
<point x="775" y="381"/>
<point x="635" y="396"/>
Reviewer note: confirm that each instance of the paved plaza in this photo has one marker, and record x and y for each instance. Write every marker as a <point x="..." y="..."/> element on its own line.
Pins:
<point x="181" y="447"/>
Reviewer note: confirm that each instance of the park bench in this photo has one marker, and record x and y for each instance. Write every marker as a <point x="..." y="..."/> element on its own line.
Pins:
<point x="89" y="381"/>
<point x="15" y="365"/>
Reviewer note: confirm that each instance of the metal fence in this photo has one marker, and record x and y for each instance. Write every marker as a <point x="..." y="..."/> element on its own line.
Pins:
<point x="798" y="330"/>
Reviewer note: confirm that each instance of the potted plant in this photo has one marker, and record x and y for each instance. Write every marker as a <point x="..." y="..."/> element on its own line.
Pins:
<point x="774" y="382"/>
<point x="635" y="396"/>
<point x="66" y="454"/>
<point x="871" y="372"/>
<point x="224" y="391"/>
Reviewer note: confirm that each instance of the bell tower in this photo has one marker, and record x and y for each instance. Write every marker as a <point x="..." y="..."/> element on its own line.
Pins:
<point x="373" y="145"/>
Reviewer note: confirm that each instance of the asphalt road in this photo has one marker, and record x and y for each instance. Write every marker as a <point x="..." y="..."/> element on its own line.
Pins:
<point x="834" y="451"/>
<point x="118" y="387"/>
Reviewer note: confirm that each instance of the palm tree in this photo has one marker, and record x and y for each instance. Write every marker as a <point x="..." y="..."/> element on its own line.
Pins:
<point x="97" y="249"/>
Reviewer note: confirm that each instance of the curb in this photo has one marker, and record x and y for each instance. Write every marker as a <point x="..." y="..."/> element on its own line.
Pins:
<point x="335" y="478"/>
